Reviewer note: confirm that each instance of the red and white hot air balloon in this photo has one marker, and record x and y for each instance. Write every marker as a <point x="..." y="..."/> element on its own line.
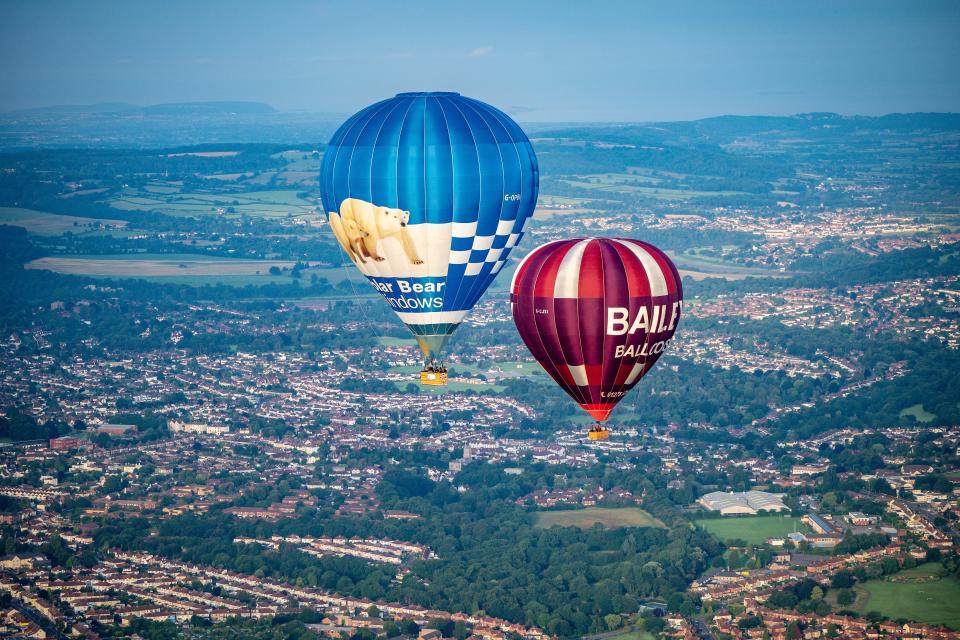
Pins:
<point x="597" y="313"/>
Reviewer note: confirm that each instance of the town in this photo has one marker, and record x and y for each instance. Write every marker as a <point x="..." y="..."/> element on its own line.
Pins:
<point x="210" y="427"/>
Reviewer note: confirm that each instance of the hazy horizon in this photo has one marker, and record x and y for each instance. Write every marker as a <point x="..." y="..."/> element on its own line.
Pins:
<point x="615" y="62"/>
<point x="104" y="107"/>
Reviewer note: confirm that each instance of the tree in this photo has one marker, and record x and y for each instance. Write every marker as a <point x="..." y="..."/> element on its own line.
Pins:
<point x="734" y="561"/>
<point x="443" y="625"/>
<point x="842" y="580"/>
<point x="845" y="597"/>
<point x="391" y="629"/>
<point x="654" y="625"/>
<point x="750" y="622"/>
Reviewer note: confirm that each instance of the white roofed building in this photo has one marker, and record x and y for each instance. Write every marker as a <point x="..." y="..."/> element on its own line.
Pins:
<point x="743" y="503"/>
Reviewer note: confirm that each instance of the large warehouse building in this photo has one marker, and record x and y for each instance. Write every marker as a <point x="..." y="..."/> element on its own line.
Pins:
<point x="745" y="503"/>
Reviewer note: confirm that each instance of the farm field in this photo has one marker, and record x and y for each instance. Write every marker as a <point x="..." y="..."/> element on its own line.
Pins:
<point x="703" y="275"/>
<point x="268" y="203"/>
<point x="685" y="261"/>
<point x="752" y="529"/>
<point x="51" y="224"/>
<point x="626" y="183"/>
<point x="586" y="518"/>
<point x="922" y="594"/>
<point x="192" y="269"/>
<point x="157" y="265"/>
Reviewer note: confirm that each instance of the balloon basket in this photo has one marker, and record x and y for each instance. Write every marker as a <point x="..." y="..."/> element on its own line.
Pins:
<point x="599" y="434"/>
<point x="435" y="378"/>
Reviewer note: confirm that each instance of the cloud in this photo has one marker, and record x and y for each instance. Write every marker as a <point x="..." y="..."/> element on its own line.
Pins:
<point x="480" y="52"/>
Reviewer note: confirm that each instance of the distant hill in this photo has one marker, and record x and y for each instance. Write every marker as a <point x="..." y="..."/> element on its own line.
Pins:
<point x="122" y="125"/>
<point x="724" y="129"/>
<point x="167" y="109"/>
<point x="806" y="122"/>
<point x="698" y="144"/>
<point x="210" y="108"/>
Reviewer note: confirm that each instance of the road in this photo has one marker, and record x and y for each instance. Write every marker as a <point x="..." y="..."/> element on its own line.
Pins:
<point x="34" y="616"/>
<point x="702" y="629"/>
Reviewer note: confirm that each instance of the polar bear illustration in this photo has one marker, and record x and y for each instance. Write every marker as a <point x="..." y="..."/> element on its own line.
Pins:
<point x="360" y="226"/>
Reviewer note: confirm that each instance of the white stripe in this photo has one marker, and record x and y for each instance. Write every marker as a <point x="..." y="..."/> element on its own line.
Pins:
<point x="637" y="369"/>
<point x="493" y="255"/>
<point x="505" y="227"/>
<point x="513" y="281"/>
<point x="482" y="242"/>
<point x="460" y="257"/>
<point x="658" y="284"/>
<point x="512" y="240"/>
<point x="464" y="229"/>
<point x="432" y="317"/>
<point x="568" y="274"/>
<point x="579" y="374"/>
<point x="473" y="269"/>
<point x="498" y="266"/>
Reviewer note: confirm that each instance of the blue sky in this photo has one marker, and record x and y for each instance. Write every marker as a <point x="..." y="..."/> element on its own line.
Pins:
<point x="541" y="61"/>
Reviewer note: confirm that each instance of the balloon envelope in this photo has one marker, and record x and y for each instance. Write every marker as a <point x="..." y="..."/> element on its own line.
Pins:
<point x="428" y="193"/>
<point x="596" y="313"/>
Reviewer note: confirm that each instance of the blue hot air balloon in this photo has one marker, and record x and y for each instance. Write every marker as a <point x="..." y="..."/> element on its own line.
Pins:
<point x="427" y="194"/>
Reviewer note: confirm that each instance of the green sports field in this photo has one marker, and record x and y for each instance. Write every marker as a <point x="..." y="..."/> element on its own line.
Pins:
<point x="752" y="529"/>
<point x="586" y="518"/>
<point x="631" y="635"/>
<point x="923" y="594"/>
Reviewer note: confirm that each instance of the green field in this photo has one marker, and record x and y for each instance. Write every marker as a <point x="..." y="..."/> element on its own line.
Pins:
<point x="918" y="412"/>
<point x="753" y="529"/>
<point x="586" y="518"/>
<point x="145" y="265"/>
<point x="52" y="224"/>
<point x="627" y="183"/>
<point x="922" y="594"/>
<point x="631" y="635"/>
<point x="210" y="280"/>
<point x="719" y="266"/>
<point x="268" y="203"/>
<point x="191" y="268"/>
